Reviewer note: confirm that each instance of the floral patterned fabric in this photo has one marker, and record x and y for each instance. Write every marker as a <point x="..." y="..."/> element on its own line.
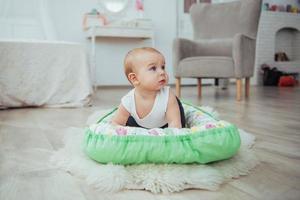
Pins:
<point x="197" y="119"/>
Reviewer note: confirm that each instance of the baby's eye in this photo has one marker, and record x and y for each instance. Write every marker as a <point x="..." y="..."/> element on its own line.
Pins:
<point x="163" y="67"/>
<point x="153" y="68"/>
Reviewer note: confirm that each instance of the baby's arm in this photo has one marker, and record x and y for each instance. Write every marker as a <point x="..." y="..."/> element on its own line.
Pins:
<point x="121" y="116"/>
<point x="173" y="113"/>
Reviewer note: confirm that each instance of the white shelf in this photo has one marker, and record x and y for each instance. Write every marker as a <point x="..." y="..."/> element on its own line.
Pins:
<point x="120" y="32"/>
<point x="280" y="14"/>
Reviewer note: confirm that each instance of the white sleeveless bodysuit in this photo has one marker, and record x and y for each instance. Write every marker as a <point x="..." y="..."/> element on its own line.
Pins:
<point x="157" y="116"/>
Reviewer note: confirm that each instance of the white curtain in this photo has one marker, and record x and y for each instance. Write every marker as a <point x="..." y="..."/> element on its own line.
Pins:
<point x="25" y="19"/>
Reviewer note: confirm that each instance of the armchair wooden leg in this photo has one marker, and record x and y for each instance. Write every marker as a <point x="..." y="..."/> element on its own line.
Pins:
<point x="247" y="87"/>
<point x="177" y="85"/>
<point x="199" y="88"/>
<point x="239" y="84"/>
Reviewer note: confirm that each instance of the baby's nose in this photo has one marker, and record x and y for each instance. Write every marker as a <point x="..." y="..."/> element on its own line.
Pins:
<point x="162" y="71"/>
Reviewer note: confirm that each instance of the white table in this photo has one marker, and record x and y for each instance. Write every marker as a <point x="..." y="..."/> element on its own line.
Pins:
<point x="115" y="31"/>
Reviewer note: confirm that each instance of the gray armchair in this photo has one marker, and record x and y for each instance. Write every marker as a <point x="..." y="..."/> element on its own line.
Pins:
<point x="223" y="45"/>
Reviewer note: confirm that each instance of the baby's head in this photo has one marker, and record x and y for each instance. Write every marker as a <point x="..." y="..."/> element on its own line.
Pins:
<point x="137" y="55"/>
<point x="143" y="63"/>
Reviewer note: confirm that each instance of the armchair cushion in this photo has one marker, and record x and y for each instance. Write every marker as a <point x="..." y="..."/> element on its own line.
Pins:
<point x="205" y="66"/>
<point x="184" y="48"/>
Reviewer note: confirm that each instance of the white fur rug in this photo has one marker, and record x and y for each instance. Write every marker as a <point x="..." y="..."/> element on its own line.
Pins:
<point x="155" y="178"/>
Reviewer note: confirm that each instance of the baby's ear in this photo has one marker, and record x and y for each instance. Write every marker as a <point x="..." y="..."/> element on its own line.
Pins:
<point x="133" y="78"/>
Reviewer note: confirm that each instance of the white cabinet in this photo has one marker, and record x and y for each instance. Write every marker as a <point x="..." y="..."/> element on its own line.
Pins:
<point x="138" y="29"/>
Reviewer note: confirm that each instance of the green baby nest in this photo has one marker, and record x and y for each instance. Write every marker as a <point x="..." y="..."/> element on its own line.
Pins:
<point x="206" y="140"/>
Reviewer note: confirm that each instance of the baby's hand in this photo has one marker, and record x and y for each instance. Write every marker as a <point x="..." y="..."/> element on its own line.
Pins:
<point x="120" y="117"/>
<point x="173" y="112"/>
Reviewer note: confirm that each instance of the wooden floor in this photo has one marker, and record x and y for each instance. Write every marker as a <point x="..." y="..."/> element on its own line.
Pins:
<point x="29" y="136"/>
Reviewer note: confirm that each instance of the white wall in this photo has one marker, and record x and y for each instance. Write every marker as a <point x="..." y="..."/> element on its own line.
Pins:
<point x="110" y="52"/>
<point x="163" y="13"/>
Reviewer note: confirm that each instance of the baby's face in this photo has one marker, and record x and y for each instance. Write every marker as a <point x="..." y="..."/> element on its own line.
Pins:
<point x="150" y="71"/>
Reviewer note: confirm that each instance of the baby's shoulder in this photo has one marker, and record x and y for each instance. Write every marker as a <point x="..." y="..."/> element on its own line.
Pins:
<point x="129" y="95"/>
<point x="127" y="99"/>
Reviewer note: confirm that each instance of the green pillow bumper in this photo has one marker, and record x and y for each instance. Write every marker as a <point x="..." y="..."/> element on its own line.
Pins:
<point x="196" y="145"/>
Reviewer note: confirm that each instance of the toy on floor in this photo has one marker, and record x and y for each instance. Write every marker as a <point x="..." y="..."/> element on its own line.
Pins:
<point x="208" y="139"/>
<point x="287" y="81"/>
<point x="271" y="76"/>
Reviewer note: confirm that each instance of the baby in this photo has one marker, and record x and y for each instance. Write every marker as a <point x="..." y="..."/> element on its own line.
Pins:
<point x="150" y="104"/>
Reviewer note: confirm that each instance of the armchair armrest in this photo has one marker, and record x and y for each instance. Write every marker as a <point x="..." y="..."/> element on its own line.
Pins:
<point x="243" y="53"/>
<point x="183" y="48"/>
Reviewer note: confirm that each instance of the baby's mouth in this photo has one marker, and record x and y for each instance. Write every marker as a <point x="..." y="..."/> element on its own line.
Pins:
<point x="162" y="82"/>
